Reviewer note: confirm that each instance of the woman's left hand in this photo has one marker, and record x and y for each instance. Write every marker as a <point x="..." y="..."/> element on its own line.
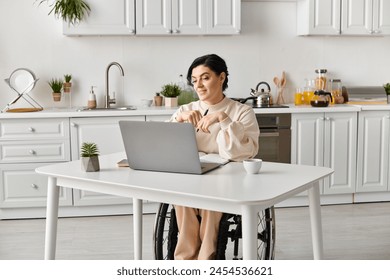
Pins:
<point x="206" y="121"/>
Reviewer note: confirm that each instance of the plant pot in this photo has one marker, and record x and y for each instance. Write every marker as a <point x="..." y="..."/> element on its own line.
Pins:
<point x="90" y="164"/>
<point x="158" y="100"/>
<point x="170" y="101"/>
<point x="388" y="99"/>
<point x="57" y="96"/>
<point x="67" y="87"/>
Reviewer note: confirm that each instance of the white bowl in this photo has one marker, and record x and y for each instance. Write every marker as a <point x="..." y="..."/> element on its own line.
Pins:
<point x="146" y="102"/>
<point x="252" y="166"/>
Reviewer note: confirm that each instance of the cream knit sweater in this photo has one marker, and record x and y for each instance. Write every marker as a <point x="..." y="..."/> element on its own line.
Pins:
<point x="235" y="138"/>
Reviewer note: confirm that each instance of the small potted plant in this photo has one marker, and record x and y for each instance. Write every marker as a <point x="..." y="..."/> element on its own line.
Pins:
<point x="171" y="93"/>
<point x="56" y="86"/>
<point x="387" y="90"/>
<point x="90" y="157"/>
<point x="67" y="84"/>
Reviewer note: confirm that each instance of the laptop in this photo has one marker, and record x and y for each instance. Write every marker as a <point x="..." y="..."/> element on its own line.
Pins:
<point x="163" y="146"/>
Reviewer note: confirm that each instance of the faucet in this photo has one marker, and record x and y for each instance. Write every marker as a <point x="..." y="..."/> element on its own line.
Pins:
<point x="108" y="100"/>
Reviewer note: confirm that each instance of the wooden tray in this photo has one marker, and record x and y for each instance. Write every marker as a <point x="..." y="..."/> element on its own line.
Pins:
<point x="24" y="110"/>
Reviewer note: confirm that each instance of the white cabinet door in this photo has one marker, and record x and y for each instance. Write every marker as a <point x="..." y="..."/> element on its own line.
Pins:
<point x="307" y="139"/>
<point x="22" y="187"/>
<point x="329" y="140"/>
<point x="357" y="17"/>
<point x="166" y="17"/>
<point x="113" y="17"/>
<point x="224" y="16"/>
<point x="381" y="17"/>
<point x="153" y="17"/>
<point x="340" y="144"/>
<point x="319" y="17"/>
<point x="373" y="151"/>
<point x="188" y="17"/>
<point x="105" y="132"/>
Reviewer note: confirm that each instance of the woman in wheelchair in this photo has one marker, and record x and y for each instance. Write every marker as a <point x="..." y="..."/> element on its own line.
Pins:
<point x="223" y="126"/>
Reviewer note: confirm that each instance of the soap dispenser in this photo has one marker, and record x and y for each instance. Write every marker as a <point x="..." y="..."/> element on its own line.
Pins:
<point x="92" y="99"/>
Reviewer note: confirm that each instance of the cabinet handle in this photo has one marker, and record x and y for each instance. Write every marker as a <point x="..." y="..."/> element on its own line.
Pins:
<point x="72" y="124"/>
<point x="377" y="31"/>
<point x="34" y="186"/>
<point x="371" y="31"/>
<point x="176" y="31"/>
<point x="169" y="31"/>
<point x="31" y="129"/>
<point x="32" y="152"/>
<point x="328" y="119"/>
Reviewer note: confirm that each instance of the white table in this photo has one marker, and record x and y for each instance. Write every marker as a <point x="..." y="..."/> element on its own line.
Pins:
<point x="226" y="189"/>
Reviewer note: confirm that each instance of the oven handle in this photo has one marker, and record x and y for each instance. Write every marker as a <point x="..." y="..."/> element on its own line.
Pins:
<point x="269" y="133"/>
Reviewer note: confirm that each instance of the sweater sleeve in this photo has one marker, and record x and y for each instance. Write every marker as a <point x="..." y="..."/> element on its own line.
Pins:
<point x="238" y="140"/>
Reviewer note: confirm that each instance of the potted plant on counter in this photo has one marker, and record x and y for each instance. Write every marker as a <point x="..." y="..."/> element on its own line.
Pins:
<point x="89" y="157"/>
<point x="67" y="84"/>
<point x="171" y="93"/>
<point x="56" y="86"/>
<point x="387" y="90"/>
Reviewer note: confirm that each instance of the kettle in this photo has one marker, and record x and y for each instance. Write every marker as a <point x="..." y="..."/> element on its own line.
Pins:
<point x="321" y="98"/>
<point x="262" y="98"/>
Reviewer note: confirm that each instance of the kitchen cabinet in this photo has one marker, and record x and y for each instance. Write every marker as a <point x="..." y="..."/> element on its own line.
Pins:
<point x="188" y="17"/>
<point x="327" y="139"/>
<point x="105" y="132"/>
<point x="343" y="17"/>
<point x="223" y="17"/>
<point x="114" y="17"/>
<point x="26" y="144"/>
<point x="373" y="151"/>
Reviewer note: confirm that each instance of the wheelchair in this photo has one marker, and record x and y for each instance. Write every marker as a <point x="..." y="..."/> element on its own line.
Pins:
<point x="166" y="234"/>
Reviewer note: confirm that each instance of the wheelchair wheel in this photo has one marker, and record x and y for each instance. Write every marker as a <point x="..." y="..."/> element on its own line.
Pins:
<point x="165" y="235"/>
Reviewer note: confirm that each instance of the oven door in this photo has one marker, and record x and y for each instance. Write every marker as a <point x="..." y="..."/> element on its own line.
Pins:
<point x="274" y="145"/>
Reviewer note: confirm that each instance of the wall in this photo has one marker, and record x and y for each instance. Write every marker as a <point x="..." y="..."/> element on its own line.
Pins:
<point x="267" y="46"/>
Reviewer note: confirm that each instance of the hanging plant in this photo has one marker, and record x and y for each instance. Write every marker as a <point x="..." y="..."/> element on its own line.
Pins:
<point x="70" y="11"/>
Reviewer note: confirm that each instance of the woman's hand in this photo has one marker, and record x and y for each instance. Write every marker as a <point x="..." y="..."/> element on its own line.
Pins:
<point x="189" y="116"/>
<point x="206" y="121"/>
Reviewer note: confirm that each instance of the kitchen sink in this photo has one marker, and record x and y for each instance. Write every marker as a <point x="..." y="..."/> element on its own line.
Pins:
<point x="123" y="108"/>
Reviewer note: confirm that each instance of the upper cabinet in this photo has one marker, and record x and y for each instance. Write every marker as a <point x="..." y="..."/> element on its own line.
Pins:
<point x="188" y="17"/>
<point x="160" y="17"/>
<point x="223" y="16"/>
<point x="343" y="17"/>
<point x="114" y="17"/>
<point x="166" y="17"/>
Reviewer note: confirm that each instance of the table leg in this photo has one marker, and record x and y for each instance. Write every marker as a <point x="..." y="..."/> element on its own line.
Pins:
<point x="53" y="192"/>
<point x="137" y="219"/>
<point x="315" y="219"/>
<point x="249" y="232"/>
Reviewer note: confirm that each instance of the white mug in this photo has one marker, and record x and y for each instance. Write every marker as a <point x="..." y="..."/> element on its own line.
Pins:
<point x="252" y="166"/>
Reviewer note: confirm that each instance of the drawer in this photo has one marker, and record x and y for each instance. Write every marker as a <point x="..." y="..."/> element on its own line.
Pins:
<point x="34" y="151"/>
<point x="21" y="186"/>
<point x="27" y="129"/>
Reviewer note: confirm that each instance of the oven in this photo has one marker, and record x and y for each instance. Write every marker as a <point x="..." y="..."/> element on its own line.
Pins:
<point x="275" y="137"/>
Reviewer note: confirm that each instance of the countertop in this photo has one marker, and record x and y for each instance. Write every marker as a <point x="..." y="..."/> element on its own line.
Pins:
<point x="155" y="111"/>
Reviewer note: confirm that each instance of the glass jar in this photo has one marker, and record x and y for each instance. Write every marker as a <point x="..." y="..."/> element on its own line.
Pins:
<point x="320" y="81"/>
<point x="308" y="91"/>
<point x="335" y="87"/>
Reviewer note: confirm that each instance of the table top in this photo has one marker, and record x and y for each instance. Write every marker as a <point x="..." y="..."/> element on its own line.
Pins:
<point x="229" y="186"/>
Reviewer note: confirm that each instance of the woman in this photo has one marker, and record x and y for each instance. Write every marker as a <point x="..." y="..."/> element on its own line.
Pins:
<point x="223" y="126"/>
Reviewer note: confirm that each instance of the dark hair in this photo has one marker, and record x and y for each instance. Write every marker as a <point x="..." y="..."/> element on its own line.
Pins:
<point x="212" y="61"/>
